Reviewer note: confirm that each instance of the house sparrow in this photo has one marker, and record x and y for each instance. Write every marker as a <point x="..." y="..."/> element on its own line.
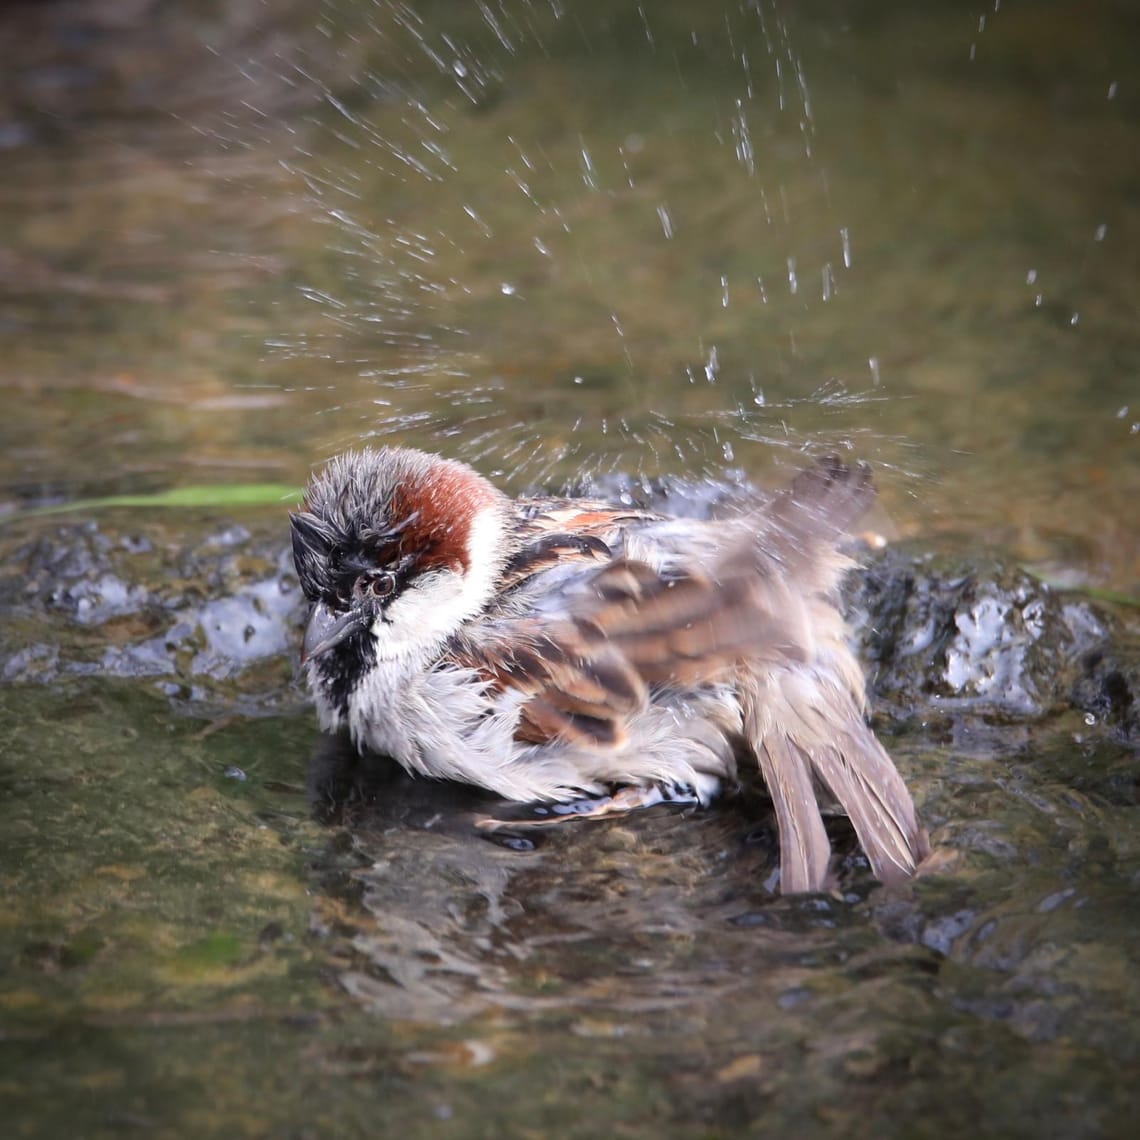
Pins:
<point x="597" y="657"/>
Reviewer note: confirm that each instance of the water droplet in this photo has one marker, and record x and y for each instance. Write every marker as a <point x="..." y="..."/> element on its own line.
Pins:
<point x="589" y="176"/>
<point x="724" y="292"/>
<point x="793" y="283"/>
<point x="876" y="377"/>
<point x="470" y="212"/>
<point x="1031" y="277"/>
<point x="1101" y="232"/>
<point x="1074" y="318"/>
<point x="1090" y="719"/>
<point x="666" y="221"/>
<point x="1112" y="90"/>
<point x="1122" y="413"/>
<point x="712" y="366"/>
<point x="729" y="455"/>
<point x="845" y="238"/>
<point x="460" y="68"/>
<point x="744" y="152"/>
<point x="507" y="289"/>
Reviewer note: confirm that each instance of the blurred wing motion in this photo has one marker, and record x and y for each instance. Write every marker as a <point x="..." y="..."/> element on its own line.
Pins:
<point x="761" y="612"/>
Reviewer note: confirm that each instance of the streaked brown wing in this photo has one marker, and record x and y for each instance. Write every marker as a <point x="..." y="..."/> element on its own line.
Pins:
<point x="628" y="628"/>
<point x="693" y="628"/>
<point x="575" y="690"/>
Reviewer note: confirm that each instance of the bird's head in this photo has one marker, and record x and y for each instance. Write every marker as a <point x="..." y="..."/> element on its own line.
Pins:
<point x="395" y="549"/>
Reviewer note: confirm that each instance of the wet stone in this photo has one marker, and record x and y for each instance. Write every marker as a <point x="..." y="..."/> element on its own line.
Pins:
<point x="956" y="634"/>
<point x="215" y="610"/>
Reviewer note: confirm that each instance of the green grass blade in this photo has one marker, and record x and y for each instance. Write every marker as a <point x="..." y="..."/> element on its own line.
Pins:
<point x="221" y="495"/>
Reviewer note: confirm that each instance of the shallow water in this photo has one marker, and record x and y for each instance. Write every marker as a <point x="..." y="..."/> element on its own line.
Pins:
<point x="611" y="237"/>
<point x="191" y="951"/>
<point x="698" y="240"/>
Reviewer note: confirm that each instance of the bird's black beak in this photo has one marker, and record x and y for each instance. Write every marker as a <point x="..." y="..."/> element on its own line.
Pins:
<point x="327" y="629"/>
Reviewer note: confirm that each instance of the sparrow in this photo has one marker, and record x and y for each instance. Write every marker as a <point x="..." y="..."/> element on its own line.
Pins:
<point x="595" y="657"/>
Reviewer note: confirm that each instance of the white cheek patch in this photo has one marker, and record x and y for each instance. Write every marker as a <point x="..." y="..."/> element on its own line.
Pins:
<point x="435" y="605"/>
<point x="428" y="612"/>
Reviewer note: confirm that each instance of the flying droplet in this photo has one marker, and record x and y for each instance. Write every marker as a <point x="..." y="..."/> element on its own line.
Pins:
<point x="589" y="175"/>
<point x="712" y="366"/>
<point x="486" y="229"/>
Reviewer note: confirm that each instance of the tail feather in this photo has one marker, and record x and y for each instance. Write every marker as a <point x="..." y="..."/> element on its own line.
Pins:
<point x="863" y="778"/>
<point x="805" y="852"/>
<point x="805" y="723"/>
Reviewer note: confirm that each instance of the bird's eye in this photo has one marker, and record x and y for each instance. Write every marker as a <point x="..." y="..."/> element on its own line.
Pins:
<point x="380" y="585"/>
